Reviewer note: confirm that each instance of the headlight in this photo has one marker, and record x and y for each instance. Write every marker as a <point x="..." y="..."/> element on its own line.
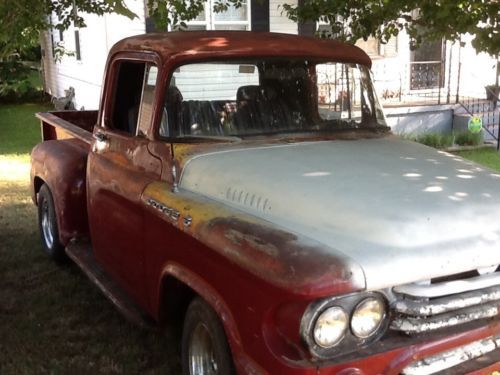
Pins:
<point x="367" y="317"/>
<point x="330" y="327"/>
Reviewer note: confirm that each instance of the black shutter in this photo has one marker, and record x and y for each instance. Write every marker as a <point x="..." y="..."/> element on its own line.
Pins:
<point x="77" y="45"/>
<point x="150" y="25"/>
<point x="260" y="15"/>
<point x="306" y="28"/>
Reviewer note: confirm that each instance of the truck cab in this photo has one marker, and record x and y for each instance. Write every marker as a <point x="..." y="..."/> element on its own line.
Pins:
<point x="244" y="189"/>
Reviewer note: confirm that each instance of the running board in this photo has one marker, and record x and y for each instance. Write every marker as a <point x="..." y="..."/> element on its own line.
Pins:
<point x="80" y="251"/>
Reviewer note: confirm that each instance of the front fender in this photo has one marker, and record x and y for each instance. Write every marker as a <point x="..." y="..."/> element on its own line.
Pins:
<point x="62" y="165"/>
<point x="283" y="259"/>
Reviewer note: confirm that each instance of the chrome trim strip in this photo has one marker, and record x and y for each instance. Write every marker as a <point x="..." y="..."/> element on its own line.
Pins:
<point x="453" y="357"/>
<point x="413" y="325"/>
<point x="446" y="304"/>
<point x="450" y="287"/>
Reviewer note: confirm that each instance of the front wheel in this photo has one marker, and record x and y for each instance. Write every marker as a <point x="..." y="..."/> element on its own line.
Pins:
<point x="47" y="223"/>
<point x="205" y="350"/>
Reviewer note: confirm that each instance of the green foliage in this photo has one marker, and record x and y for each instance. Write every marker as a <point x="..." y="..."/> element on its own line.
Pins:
<point x="23" y="20"/>
<point x="17" y="83"/>
<point x="436" y="140"/>
<point x="176" y="13"/>
<point x="354" y="19"/>
<point x="440" y="140"/>
<point x="467" y="138"/>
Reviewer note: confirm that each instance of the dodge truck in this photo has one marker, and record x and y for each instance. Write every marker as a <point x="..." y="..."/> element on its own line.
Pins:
<point x="244" y="189"/>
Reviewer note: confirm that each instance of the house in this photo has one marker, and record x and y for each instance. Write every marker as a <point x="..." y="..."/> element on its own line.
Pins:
<point x="420" y="89"/>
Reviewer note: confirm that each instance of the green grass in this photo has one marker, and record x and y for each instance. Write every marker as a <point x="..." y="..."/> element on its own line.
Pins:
<point x="19" y="129"/>
<point x="489" y="157"/>
<point x="52" y="319"/>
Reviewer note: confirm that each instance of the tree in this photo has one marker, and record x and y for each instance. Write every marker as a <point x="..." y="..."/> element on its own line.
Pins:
<point x="350" y="20"/>
<point x="23" y="20"/>
<point x="422" y="19"/>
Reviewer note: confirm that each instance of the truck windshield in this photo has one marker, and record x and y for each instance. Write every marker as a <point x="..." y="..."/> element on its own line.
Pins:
<point x="246" y="98"/>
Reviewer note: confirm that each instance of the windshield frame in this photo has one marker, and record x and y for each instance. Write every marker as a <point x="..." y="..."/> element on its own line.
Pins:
<point x="259" y="61"/>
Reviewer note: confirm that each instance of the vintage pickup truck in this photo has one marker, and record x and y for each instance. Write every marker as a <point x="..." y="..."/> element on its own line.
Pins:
<point x="244" y="190"/>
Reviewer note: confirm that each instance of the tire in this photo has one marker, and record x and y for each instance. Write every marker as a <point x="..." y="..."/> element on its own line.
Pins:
<point x="47" y="224"/>
<point x="204" y="347"/>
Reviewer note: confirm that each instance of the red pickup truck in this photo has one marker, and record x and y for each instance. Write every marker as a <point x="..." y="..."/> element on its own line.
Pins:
<point x="244" y="189"/>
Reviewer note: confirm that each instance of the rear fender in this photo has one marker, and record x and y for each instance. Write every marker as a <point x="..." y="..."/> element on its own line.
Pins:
<point x="62" y="165"/>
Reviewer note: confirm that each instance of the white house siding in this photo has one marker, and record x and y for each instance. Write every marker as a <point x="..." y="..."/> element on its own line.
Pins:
<point x="85" y="75"/>
<point x="279" y="22"/>
<point x="213" y="81"/>
<point x="477" y="71"/>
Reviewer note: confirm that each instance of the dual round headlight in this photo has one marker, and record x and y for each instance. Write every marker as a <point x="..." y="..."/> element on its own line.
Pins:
<point x="366" y="318"/>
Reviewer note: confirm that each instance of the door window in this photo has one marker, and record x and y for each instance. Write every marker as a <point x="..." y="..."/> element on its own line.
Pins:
<point x="134" y="94"/>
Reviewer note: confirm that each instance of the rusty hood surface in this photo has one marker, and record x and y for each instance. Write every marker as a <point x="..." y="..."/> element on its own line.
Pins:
<point x="402" y="211"/>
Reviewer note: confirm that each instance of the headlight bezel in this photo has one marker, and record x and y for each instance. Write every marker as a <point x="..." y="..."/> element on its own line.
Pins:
<point x="383" y="318"/>
<point x="350" y="342"/>
<point x="341" y="334"/>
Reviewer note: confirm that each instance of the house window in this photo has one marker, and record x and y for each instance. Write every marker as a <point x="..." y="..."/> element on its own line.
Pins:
<point x="427" y="66"/>
<point x="231" y="19"/>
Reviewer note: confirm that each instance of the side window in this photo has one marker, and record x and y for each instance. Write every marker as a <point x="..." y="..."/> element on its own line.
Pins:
<point x="148" y="93"/>
<point x="134" y="93"/>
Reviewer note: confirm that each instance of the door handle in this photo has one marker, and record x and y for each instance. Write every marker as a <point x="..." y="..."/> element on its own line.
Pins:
<point x="102" y="142"/>
<point x="100" y="137"/>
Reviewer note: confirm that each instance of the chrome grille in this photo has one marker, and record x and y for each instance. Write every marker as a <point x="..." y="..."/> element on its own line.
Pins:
<point x="419" y="308"/>
<point x="453" y="357"/>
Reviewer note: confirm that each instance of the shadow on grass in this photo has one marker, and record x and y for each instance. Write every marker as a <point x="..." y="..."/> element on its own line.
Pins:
<point x="52" y="320"/>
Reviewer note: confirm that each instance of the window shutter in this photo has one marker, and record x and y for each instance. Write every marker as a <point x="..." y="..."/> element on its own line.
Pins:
<point x="307" y="28"/>
<point x="260" y="15"/>
<point x="150" y="25"/>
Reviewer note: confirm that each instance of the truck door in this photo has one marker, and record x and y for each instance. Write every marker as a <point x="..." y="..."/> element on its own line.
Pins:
<point x="120" y="166"/>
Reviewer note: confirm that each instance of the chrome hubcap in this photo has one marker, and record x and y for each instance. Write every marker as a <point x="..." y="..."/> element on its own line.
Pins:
<point x="202" y="359"/>
<point x="47" y="225"/>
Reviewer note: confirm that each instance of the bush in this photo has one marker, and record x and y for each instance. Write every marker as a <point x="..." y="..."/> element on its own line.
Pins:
<point x="436" y="140"/>
<point x="18" y="82"/>
<point x="468" y="139"/>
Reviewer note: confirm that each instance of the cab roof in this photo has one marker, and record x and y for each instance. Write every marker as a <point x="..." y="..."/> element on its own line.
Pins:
<point x="182" y="46"/>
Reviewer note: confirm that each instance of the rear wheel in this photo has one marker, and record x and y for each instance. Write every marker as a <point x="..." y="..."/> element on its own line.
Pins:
<point x="47" y="223"/>
<point x="205" y="350"/>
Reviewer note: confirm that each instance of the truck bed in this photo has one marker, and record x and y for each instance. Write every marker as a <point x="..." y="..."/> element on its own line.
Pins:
<point x="68" y="124"/>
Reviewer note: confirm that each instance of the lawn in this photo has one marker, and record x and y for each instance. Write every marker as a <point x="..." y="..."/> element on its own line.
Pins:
<point x="52" y="319"/>
<point x="489" y="157"/>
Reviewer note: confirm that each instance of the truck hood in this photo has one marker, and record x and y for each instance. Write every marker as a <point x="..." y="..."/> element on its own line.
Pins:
<point x="402" y="211"/>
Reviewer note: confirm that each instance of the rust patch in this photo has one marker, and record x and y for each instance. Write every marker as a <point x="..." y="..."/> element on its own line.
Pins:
<point x="243" y="239"/>
<point x="284" y="259"/>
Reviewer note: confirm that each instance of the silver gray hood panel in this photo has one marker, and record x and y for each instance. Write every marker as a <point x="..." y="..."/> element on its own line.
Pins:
<point x="404" y="212"/>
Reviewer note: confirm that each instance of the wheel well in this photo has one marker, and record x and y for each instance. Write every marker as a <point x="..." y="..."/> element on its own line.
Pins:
<point x="175" y="300"/>
<point x="37" y="184"/>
